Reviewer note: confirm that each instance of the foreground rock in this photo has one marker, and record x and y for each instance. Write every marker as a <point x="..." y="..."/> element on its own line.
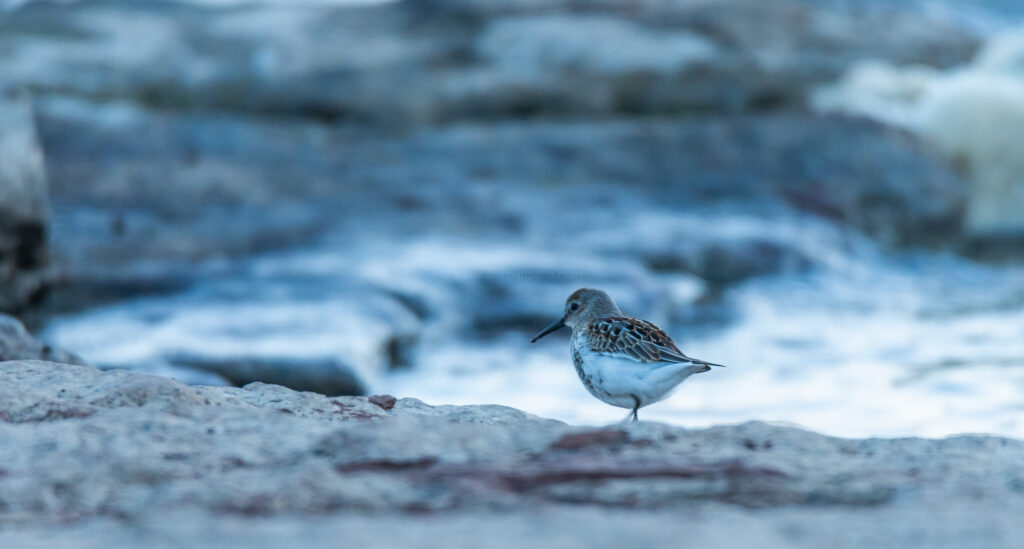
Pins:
<point x="24" y="256"/>
<point x="94" y="451"/>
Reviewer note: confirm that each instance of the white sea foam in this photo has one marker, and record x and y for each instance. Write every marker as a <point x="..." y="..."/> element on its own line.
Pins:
<point x="974" y="114"/>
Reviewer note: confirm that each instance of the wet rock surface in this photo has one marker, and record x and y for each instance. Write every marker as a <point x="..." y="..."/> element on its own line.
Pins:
<point x="93" y="450"/>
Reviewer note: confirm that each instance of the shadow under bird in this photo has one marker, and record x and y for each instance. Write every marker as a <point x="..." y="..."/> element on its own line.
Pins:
<point x="622" y="360"/>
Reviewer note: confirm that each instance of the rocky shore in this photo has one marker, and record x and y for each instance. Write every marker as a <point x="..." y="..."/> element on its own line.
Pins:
<point x="117" y="458"/>
<point x="282" y="204"/>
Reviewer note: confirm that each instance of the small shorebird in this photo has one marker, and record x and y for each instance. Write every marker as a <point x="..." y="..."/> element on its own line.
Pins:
<point x="624" y="361"/>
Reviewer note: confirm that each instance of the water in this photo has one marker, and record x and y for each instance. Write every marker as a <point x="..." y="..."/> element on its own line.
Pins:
<point x="869" y="343"/>
<point x="866" y="343"/>
<point x="926" y="348"/>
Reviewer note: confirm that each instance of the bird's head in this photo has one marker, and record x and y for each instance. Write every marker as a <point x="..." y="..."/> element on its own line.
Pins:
<point x="583" y="305"/>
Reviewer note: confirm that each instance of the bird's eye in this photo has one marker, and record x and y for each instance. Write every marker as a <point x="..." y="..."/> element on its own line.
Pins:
<point x="574" y="306"/>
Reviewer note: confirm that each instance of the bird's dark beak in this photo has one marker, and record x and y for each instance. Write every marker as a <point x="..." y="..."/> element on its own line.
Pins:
<point x="560" y="323"/>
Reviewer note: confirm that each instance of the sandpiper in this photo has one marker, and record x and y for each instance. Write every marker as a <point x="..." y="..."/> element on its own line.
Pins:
<point x="624" y="361"/>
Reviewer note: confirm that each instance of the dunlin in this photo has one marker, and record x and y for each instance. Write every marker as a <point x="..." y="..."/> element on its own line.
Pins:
<point x="624" y="361"/>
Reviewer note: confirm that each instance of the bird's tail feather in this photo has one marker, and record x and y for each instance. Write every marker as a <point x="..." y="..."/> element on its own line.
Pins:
<point x="706" y="363"/>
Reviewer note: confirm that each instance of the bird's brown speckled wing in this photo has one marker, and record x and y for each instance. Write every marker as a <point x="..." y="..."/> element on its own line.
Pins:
<point x="635" y="338"/>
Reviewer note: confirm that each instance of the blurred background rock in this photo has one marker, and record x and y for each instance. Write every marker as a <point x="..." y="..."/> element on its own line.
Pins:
<point x="346" y="197"/>
<point x="24" y="214"/>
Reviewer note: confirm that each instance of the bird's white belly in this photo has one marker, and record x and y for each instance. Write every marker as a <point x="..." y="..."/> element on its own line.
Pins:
<point x="622" y="382"/>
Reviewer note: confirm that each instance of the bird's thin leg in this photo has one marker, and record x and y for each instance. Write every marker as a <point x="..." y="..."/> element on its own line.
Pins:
<point x="635" y="408"/>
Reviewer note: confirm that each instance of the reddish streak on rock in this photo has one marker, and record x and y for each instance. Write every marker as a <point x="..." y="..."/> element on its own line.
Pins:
<point x="384" y="401"/>
<point x="345" y="410"/>
<point x="385" y="465"/>
<point x="235" y="462"/>
<point x="539" y="475"/>
<point x="601" y="437"/>
<point x="255" y="507"/>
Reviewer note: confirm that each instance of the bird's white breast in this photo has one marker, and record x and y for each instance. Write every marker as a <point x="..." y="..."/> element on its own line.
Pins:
<point x="617" y="379"/>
